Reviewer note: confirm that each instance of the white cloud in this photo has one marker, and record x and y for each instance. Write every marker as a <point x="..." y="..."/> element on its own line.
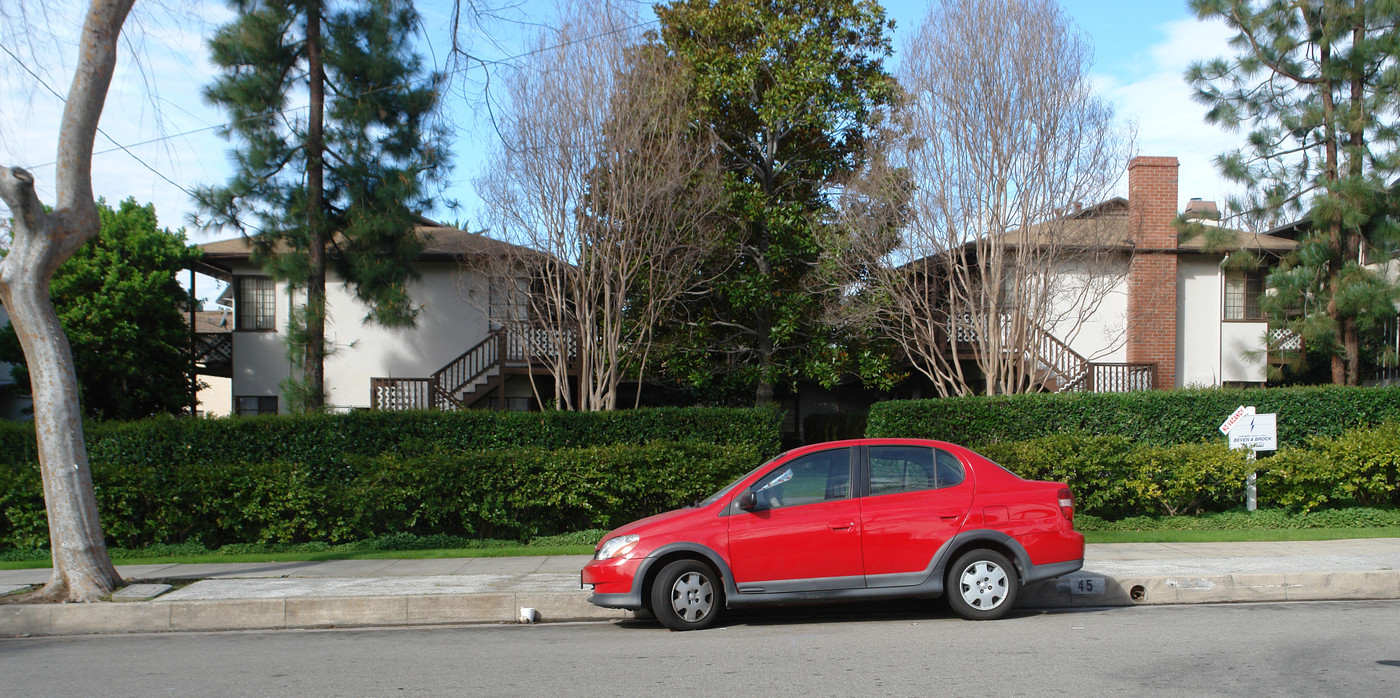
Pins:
<point x="1168" y="122"/>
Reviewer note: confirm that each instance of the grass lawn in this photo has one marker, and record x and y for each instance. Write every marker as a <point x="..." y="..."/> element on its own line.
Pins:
<point x="214" y="558"/>
<point x="1226" y="536"/>
<point x="1220" y="536"/>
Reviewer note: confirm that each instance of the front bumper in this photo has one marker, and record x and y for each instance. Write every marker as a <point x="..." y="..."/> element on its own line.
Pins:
<point x="614" y="583"/>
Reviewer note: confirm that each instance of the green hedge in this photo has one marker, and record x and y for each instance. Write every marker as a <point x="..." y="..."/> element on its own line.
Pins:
<point x="328" y="440"/>
<point x="1164" y="417"/>
<point x="1114" y="477"/>
<point x="1360" y="466"/>
<point x="328" y="477"/>
<point x="515" y="494"/>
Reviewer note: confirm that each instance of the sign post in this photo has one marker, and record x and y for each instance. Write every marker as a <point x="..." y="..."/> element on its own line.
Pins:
<point x="1256" y="432"/>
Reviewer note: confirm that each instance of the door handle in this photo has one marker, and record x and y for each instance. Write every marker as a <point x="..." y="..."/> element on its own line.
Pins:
<point x="842" y="525"/>
<point x="949" y="515"/>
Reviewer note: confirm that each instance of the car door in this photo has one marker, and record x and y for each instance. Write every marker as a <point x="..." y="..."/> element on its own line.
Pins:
<point x="915" y="499"/>
<point x="803" y="532"/>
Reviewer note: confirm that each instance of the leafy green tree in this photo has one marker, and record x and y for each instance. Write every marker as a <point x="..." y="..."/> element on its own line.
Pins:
<point x="123" y="309"/>
<point x="791" y="91"/>
<point x="1316" y="81"/>
<point x="337" y="184"/>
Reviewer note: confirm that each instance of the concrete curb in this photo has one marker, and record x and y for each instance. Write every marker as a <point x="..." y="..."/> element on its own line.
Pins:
<point x="305" y="612"/>
<point x="1079" y="590"/>
<point x="1082" y="590"/>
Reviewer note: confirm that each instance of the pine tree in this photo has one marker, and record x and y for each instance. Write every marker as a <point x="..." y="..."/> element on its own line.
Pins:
<point x="1316" y="81"/>
<point x="336" y="184"/>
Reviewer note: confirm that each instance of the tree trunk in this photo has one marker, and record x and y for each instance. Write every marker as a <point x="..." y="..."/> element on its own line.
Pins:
<point x="763" y="393"/>
<point x="314" y="361"/>
<point x="82" y="570"/>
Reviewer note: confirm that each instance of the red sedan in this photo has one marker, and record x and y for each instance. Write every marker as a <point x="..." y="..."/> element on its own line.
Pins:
<point x="845" y="521"/>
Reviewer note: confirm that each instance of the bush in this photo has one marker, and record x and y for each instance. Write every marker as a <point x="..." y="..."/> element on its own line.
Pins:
<point x="513" y="495"/>
<point x="1163" y="418"/>
<point x="834" y="426"/>
<point x="322" y="477"/>
<point x="1361" y="466"/>
<point x="1095" y="468"/>
<point x="1187" y="478"/>
<point x="1239" y="520"/>
<point x="328" y="441"/>
<point x="1113" y="477"/>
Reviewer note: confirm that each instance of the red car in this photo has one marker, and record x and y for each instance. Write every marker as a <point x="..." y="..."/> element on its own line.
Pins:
<point x="845" y="521"/>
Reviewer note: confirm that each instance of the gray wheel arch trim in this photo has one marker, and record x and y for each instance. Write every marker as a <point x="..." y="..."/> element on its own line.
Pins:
<point x="1026" y="570"/>
<point x="636" y="598"/>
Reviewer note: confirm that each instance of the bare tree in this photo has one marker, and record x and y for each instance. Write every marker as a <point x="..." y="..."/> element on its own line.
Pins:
<point x="602" y="180"/>
<point x="82" y="570"/>
<point x="994" y="268"/>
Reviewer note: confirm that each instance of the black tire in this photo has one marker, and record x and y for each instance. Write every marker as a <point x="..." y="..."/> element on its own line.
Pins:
<point x="687" y="595"/>
<point x="982" y="585"/>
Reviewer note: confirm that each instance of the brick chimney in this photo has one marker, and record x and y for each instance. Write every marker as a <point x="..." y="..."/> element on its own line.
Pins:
<point x="1152" y="278"/>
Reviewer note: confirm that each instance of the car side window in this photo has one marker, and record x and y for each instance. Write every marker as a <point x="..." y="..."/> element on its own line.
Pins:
<point x="901" y="469"/>
<point x="816" y="477"/>
<point x="911" y="469"/>
<point x="950" y="470"/>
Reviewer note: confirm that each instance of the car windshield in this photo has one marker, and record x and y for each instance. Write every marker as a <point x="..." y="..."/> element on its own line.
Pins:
<point x="725" y="490"/>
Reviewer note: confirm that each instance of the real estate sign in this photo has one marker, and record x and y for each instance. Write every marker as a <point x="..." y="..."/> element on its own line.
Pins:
<point x="1257" y="432"/>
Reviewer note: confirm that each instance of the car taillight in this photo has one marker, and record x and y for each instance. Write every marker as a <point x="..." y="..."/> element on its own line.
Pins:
<point x="1067" y="504"/>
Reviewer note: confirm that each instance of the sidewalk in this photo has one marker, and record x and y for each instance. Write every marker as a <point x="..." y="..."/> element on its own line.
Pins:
<point x="342" y="593"/>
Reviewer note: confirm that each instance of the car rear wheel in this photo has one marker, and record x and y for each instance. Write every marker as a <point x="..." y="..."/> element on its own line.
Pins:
<point x="687" y="595"/>
<point x="982" y="585"/>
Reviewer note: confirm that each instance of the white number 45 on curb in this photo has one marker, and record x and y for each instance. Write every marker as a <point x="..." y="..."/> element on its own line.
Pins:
<point x="1086" y="585"/>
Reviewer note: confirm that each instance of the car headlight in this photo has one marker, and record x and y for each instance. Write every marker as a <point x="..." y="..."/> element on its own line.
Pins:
<point x="615" y="546"/>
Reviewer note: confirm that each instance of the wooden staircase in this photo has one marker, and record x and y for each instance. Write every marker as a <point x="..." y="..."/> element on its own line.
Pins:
<point x="477" y="374"/>
<point x="1061" y="369"/>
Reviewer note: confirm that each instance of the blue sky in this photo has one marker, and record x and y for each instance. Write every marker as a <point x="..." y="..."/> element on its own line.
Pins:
<point x="1141" y="50"/>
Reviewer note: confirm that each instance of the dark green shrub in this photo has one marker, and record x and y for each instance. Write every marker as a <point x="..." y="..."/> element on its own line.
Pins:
<point x="833" y="427"/>
<point x="1095" y="468"/>
<point x="1161" y="417"/>
<point x="514" y="494"/>
<point x="297" y="478"/>
<point x="1240" y="520"/>
<point x="1114" y="477"/>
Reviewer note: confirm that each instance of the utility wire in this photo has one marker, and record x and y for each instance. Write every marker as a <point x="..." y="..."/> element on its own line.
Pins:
<point x="437" y="76"/>
<point x="118" y="145"/>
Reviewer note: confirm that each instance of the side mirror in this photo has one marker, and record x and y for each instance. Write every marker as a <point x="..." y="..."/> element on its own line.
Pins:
<point x="748" y="500"/>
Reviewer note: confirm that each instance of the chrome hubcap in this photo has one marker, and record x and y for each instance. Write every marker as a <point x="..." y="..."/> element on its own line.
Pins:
<point x="983" y="585"/>
<point x="692" y="597"/>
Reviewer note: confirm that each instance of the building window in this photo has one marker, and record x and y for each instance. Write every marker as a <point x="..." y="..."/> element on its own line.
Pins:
<point x="510" y="300"/>
<point x="255" y="303"/>
<point x="254" y="405"/>
<point x="1242" y="292"/>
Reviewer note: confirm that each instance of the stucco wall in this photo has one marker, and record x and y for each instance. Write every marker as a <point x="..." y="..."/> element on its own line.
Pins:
<point x="1241" y="351"/>
<point x="452" y="320"/>
<point x="216" y="397"/>
<point x="1209" y="350"/>
<point x="1101" y="336"/>
<point x="1198" y="315"/>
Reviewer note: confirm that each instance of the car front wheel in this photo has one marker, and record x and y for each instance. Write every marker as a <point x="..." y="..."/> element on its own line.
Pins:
<point x="982" y="585"/>
<point x="687" y="595"/>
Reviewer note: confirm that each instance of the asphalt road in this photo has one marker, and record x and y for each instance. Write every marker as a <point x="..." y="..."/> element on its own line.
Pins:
<point x="1322" y="648"/>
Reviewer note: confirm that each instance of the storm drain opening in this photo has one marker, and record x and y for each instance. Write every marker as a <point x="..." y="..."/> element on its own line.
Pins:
<point x="1138" y="592"/>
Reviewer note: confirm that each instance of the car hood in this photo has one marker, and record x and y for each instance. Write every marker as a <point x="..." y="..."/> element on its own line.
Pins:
<point x="640" y="525"/>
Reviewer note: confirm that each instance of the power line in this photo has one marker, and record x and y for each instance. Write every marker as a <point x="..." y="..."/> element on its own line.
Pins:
<point x="282" y="112"/>
<point x="119" y="146"/>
